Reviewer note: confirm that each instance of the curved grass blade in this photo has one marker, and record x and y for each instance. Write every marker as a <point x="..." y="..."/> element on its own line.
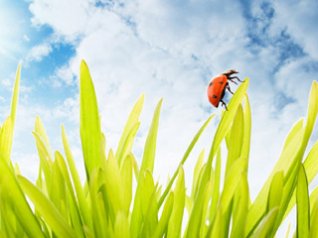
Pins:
<point x="277" y="186"/>
<point x="258" y="208"/>
<point x="7" y="130"/>
<point x="22" y="210"/>
<point x="133" y="119"/>
<point x="161" y="228"/>
<point x="175" y="222"/>
<point x="303" y="210"/>
<point x="80" y="194"/>
<point x="6" y="137"/>
<point x="240" y="208"/>
<point x="314" y="220"/>
<point x="148" y="158"/>
<point x="45" y="207"/>
<point x="121" y="226"/>
<point x="89" y="122"/>
<point x="264" y="228"/>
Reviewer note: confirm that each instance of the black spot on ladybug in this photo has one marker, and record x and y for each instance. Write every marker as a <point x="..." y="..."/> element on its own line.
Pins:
<point x="214" y="96"/>
<point x="221" y="82"/>
<point x="210" y="84"/>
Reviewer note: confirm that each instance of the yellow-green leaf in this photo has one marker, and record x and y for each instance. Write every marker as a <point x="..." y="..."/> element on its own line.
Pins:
<point x="151" y="141"/>
<point x="89" y="122"/>
<point x="303" y="207"/>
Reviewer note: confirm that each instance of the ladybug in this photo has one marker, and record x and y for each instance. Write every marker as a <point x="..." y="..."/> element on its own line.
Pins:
<point x="218" y="85"/>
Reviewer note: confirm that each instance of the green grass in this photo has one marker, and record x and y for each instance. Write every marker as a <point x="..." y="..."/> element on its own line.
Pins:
<point x="107" y="204"/>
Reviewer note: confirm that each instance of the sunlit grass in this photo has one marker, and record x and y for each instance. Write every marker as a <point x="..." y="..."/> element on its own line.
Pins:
<point x="107" y="204"/>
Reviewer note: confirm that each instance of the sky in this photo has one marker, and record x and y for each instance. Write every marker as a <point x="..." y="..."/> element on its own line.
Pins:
<point x="166" y="49"/>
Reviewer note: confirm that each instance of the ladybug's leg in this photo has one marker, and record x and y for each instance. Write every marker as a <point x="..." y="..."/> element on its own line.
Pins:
<point x="231" y="79"/>
<point x="228" y="88"/>
<point x="224" y="104"/>
<point x="235" y="77"/>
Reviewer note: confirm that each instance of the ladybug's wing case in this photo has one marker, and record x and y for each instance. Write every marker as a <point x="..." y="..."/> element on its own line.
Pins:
<point x="216" y="89"/>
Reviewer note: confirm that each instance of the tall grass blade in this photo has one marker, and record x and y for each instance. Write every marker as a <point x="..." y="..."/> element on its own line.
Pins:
<point x="89" y="122"/>
<point x="303" y="206"/>
<point x="148" y="158"/>
<point x="125" y="140"/>
<point x="175" y="222"/>
<point x="45" y="207"/>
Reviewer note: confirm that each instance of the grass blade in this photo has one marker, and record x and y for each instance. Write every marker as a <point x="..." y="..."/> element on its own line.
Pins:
<point x="303" y="208"/>
<point x="264" y="228"/>
<point x="151" y="141"/>
<point x="45" y="207"/>
<point x="133" y="119"/>
<point x="23" y="213"/>
<point x="175" y="222"/>
<point x="89" y="122"/>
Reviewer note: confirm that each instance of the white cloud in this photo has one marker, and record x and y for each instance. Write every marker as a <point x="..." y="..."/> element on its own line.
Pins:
<point x="300" y="21"/>
<point x="68" y="18"/>
<point x="38" y="52"/>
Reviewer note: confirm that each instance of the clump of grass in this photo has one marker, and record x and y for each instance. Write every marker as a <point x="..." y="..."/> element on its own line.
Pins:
<point x="107" y="205"/>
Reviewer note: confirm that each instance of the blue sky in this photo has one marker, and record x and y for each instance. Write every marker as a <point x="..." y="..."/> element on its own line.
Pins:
<point x="161" y="48"/>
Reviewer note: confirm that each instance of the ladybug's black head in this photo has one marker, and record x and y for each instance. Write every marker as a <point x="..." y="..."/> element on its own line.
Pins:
<point x="230" y="72"/>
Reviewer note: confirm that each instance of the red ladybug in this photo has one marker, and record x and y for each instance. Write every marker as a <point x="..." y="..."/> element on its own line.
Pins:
<point x="218" y="85"/>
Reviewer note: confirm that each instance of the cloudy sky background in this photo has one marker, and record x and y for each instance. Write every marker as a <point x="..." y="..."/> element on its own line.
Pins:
<point x="161" y="48"/>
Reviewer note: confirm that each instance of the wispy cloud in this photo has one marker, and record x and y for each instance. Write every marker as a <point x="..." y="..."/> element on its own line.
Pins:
<point x="39" y="51"/>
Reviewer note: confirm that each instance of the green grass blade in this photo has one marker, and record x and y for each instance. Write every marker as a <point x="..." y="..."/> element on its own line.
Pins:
<point x="15" y="95"/>
<point x="128" y="143"/>
<point x="247" y="130"/>
<point x="6" y="137"/>
<point x="89" y="122"/>
<point x="276" y="188"/>
<point x="264" y="228"/>
<point x="7" y="130"/>
<point x="216" y="187"/>
<point x="195" y="217"/>
<point x="231" y="182"/>
<point x="149" y="207"/>
<point x="121" y="226"/>
<point x="312" y="112"/>
<point x="133" y="119"/>
<point x="112" y="184"/>
<point x="10" y="187"/>
<point x="175" y="222"/>
<point x="303" y="207"/>
<point x="145" y="192"/>
<point x="235" y="139"/>
<point x="148" y="158"/>
<point x="314" y="220"/>
<point x="45" y="207"/>
<point x="126" y="178"/>
<point x="311" y="163"/>
<point x="240" y="208"/>
<point x="218" y="225"/>
<point x="83" y="206"/>
<point x="161" y="228"/>
<point x="258" y="208"/>
<point x="72" y="207"/>
<point x="311" y="168"/>
<point x="196" y="172"/>
<point x="97" y="203"/>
